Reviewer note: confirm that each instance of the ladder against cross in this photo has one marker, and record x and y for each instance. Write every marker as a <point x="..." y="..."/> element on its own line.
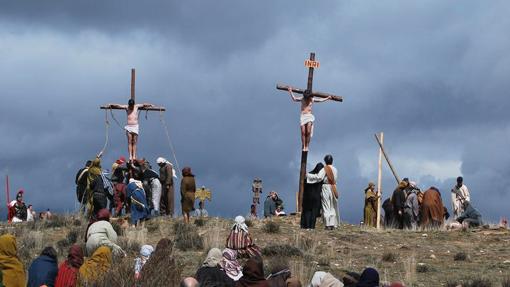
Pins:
<point x="311" y="64"/>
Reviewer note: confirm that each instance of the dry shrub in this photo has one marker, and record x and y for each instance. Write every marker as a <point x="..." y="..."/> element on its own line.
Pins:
<point x="284" y="250"/>
<point x="200" y="221"/>
<point x="271" y="227"/>
<point x="152" y="226"/>
<point x="212" y="238"/>
<point x="186" y="237"/>
<point x="56" y="221"/>
<point x="249" y="222"/>
<point x="303" y="270"/>
<point x="423" y="268"/>
<point x="479" y="282"/>
<point x="505" y="282"/>
<point x="118" y="228"/>
<point x="461" y="256"/>
<point x="120" y="274"/>
<point x="389" y="257"/>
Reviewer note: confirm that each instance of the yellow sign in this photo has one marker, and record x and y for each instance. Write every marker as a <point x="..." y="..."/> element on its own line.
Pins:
<point x="312" y="64"/>
<point x="203" y="194"/>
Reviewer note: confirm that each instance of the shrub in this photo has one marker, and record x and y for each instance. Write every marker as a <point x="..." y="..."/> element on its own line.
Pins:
<point x="118" y="229"/>
<point x="186" y="237"/>
<point x="389" y="257"/>
<point x="461" y="256"/>
<point x="152" y="226"/>
<point x="505" y="282"/>
<point x="479" y="282"/>
<point x="200" y="221"/>
<point x="271" y="227"/>
<point x="248" y="222"/>
<point x="56" y="221"/>
<point x="422" y="268"/>
<point x="129" y="246"/>
<point x="284" y="250"/>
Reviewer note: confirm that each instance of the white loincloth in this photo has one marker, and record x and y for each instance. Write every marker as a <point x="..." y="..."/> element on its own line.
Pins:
<point x="307" y="118"/>
<point x="132" y="129"/>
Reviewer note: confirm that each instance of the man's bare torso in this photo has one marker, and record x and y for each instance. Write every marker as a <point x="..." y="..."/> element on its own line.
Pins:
<point x="306" y="105"/>
<point x="132" y="115"/>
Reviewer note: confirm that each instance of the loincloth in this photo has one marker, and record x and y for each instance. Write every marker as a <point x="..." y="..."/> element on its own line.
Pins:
<point x="307" y="118"/>
<point x="132" y="129"/>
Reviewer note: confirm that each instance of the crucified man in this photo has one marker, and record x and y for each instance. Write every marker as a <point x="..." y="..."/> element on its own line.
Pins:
<point x="132" y="128"/>
<point x="307" y="117"/>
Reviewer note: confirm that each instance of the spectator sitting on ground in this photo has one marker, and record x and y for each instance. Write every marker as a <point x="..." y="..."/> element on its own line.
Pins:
<point x="201" y="211"/>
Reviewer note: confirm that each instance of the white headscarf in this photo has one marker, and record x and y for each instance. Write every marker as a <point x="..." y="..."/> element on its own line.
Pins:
<point x="213" y="258"/>
<point x="160" y="160"/>
<point x="239" y="224"/>
<point x="317" y="279"/>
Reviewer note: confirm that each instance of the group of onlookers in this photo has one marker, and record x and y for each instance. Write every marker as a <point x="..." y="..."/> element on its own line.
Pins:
<point x="134" y="187"/>
<point x="18" y="211"/>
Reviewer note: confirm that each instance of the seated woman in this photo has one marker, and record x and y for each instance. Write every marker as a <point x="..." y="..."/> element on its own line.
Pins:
<point x="13" y="272"/>
<point x="101" y="233"/>
<point x="43" y="269"/>
<point x="253" y="274"/>
<point x="321" y="278"/>
<point x="240" y="241"/>
<point x="68" y="270"/>
<point x="230" y="265"/>
<point x="211" y="274"/>
<point x="161" y="266"/>
<point x="145" y="254"/>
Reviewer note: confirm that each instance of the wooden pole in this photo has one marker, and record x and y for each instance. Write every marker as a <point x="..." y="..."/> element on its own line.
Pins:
<point x="387" y="159"/>
<point x="7" y="194"/>
<point x="302" y="178"/>
<point x="379" y="183"/>
<point x="133" y="84"/>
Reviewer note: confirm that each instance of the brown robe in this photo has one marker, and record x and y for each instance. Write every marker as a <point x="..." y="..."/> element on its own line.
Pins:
<point x="432" y="209"/>
<point x="370" y="213"/>
<point x="188" y="189"/>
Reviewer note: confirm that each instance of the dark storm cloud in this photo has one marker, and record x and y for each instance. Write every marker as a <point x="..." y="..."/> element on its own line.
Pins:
<point x="431" y="76"/>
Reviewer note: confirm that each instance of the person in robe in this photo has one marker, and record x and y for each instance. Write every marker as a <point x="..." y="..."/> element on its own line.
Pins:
<point x="100" y="194"/>
<point x="240" y="240"/>
<point x="253" y="274"/>
<point x="432" y="209"/>
<point x="369" y="278"/>
<point x="328" y="177"/>
<point x="94" y="171"/>
<point x="471" y="217"/>
<point x="166" y="177"/>
<point x="119" y="180"/>
<point x="411" y="207"/>
<point x="253" y="212"/>
<point x="145" y="254"/>
<point x="152" y="272"/>
<point x="68" y="271"/>
<point x="398" y="199"/>
<point x="188" y="188"/>
<point x="151" y="183"/>
<point x="43" y="269"/>
<point x="211" y="274"/>
<point x="281" y="277"/>
<point x="139" y="206"/>
<point x="270" y="205"/>
<point x="13" y="272"/>
<point x="101" y="233"/>
<point x="201" y="211"/>
<point x="96" y="266"/>
<point x="230" y="265"/>
<point x="370" y="210"/>
<point x="17" y="208"/>
<point x="324" y="279"/>
<point x="31" y="213"/>
<point x="311" y="204"/>
<point x="387" y="206"/>
<point x="460" y="194"/>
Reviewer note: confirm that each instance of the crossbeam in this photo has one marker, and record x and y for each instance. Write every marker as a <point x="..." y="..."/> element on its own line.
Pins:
<point x="313" y="94"/>
<point x="162" y="109"/>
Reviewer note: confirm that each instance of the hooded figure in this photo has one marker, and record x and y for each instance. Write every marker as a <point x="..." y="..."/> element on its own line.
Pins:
<point x="88" y="198"/>
<point x="68" y="271"/>
<point x="370" y="210"/>
<point x="323" y="279"/>
<point x="145" y="254"/>
<point x="13" y="272"/>
<point x="253" y="274"/>
<point x="188" y="188"/>
<point x="96" y="266"/>
<point x="369" y="278"/>
<point x="211" y="274"/>
<point x="432" y="209"/>
<point x="43" y="269"/>
<point x="240" y="241"/>
<point x="230" y="265"/>
<point x="279" y="277"/>
<point x="166" y="177"/>
<point x="162" y="256"/>
<point x="312" y="201"/>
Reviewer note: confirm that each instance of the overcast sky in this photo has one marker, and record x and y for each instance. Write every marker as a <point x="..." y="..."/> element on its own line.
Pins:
<point x="433" y="75"/>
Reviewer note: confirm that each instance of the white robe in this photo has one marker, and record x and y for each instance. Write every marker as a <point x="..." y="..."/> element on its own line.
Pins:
<point x="329" y="202"/>
<point x="457" y="195"/>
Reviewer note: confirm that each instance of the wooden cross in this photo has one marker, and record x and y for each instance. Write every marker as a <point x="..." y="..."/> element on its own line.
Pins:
<point x="203" y="194"/>
<point x="310" y="64"/>
<point x="145" y="108"/>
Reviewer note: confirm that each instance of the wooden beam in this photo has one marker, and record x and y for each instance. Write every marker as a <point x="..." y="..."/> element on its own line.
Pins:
<point x="162" y="109"/>
<point x="379" y="184"/>
<point x="315" y="94"/>
<point x="133" y="84"/>
<point x="387" y="159"/>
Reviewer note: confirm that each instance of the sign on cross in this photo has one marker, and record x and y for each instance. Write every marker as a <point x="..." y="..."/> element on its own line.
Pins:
<point x="132" y="110"/>
<point x="307" y="118"/>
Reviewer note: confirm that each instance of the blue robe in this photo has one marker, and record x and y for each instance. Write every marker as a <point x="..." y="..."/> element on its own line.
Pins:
<point x="139" y="206"/>
<point x="42" y="271"/>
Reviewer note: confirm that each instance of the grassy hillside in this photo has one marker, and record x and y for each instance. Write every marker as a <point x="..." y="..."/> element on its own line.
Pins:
<point x="418" y="258"/>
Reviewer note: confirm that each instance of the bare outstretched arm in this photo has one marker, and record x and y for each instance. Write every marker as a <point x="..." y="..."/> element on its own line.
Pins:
<point x="294" y="98"/>
<point x="145" y="105"/>
<point x="320" y="100"/>
<point x="116" y="106"/>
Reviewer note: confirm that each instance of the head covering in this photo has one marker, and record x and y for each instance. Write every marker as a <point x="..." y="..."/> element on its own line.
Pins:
<point x="146" y="250"/>
<point x="230" y="264"/>
<point x="317" y="279"/>
<point x="121" y="160"/>
<point x="75" y="256"/>
<point x="19" y="194"/>
<point x="330" y="281"/>
<point x="370" y="186"/>
<point x="138" y="183"/>
<point x="369" y="278"/>
<point x="187" y="171"/>
<point x="95" y="167"/>
<point x="239" y="224"/>
<point x="253" y="274"/>
<point x="95" y="267"/>
<point x="12" y="269"/>
<point x="162" y="256"/>
<point x="161" y="160"/>
<point x="213" y="258"/>
<point x="103" y="214"/>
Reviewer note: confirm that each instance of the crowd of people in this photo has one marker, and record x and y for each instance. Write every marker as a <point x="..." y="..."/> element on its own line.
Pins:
<point x="19" y="211"/>
<point x="134" y="187"/>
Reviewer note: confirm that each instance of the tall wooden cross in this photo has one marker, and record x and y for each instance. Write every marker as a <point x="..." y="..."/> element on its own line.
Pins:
<point x="145" y="108"/>
<point x="310" y="64"/>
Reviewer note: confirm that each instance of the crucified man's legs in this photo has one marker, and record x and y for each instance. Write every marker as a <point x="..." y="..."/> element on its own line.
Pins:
<point x="306" y="135"/>
<point x="132" y="139"/>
